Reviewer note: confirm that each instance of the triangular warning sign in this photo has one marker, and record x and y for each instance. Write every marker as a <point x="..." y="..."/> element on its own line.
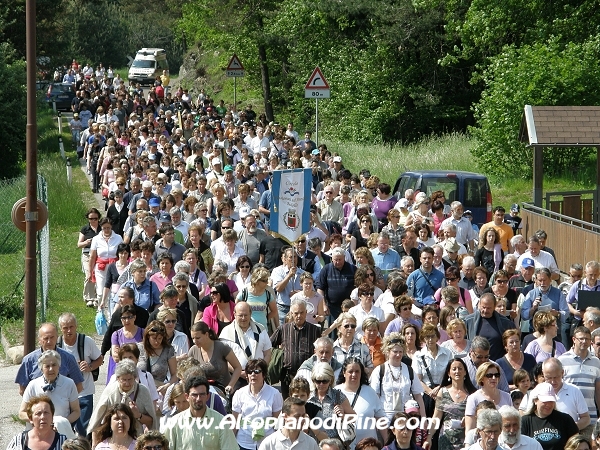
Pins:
<point x="235" y="63"/>
<point x="317" y="80"/>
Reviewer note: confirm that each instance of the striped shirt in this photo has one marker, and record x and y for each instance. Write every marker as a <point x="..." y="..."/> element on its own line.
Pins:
<point x="585" y="374"/>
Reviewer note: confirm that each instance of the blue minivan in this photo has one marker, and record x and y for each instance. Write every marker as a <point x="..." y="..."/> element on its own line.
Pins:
<point x="471" y="189"/>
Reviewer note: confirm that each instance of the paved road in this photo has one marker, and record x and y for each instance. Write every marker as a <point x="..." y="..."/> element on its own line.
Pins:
<point x="11" y="400"/>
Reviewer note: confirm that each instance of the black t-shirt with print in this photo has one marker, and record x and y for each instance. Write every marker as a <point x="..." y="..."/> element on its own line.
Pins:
<point x="551" y="432"/>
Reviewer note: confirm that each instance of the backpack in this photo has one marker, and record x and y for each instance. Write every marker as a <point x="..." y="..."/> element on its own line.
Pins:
<point x="411" y="375"/>
<point x="245" y="295"/>
<point x="80" y="350"/>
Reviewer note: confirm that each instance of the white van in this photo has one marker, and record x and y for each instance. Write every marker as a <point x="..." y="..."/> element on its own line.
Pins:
<point x="148" y="64"/>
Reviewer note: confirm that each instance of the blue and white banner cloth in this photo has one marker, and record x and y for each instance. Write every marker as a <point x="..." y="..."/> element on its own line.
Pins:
<point x="290" y="207"/>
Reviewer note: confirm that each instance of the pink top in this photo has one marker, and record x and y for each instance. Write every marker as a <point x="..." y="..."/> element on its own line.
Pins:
<point x="210" y="314"/>
<point x="161" y="281"/>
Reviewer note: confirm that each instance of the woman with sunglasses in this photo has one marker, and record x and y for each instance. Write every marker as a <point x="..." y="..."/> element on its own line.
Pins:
<point x="403" y="307"/>
<point x="333" y="402"/>
<point x="220" y="313"/>
<point x="366" y="308"/>
<point x="501" y="290"/>
<point x="347" y="344"/>
<point x="86" y="234"/>
<point x="488" y="377"/>
<point x="365" y="274"/>
<point x="393" y="227"/>
<point x="158" y="357"/>
<point x="241" y="276"/>
<point x="394" y="381"/>
<point x="174" y="321"/>
<point x="129" y="333"/>
<point x="450" y="404"/>
<point x="360" y="235"/>
<point x="453" y="277"/>
<point x="258" y="400"/>
<point x="353" y="382"/>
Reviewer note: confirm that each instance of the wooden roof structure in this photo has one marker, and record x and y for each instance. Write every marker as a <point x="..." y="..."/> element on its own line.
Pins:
<point x="561" y="126"/>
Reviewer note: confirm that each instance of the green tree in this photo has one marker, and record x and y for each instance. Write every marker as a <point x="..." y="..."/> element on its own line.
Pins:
<point x="13" y="97"/>
<point x="539" y="74"/>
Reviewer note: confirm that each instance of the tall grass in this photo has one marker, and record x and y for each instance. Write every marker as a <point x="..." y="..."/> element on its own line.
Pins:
<point x="66" y="208"/>
<point x="452" y="152"/>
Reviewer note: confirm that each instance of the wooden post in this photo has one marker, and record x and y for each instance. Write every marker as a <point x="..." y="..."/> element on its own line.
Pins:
<point x="538" y="175"/>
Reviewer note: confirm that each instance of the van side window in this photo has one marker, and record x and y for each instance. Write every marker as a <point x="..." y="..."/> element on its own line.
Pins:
<point x="475" y="193"/>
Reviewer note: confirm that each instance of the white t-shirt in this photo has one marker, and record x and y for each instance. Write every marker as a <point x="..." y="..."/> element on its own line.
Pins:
<point x="91" y="353"/>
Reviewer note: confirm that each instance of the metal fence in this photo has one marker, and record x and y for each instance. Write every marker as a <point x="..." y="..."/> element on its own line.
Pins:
<point x="12" y="246"/>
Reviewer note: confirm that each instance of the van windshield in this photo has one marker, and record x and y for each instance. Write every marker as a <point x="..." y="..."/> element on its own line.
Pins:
<point x="448" y="185"/>
<point x="143" y="63"/>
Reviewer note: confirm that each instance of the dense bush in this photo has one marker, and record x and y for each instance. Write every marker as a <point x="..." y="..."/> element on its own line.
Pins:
<point x="542" y="74"/>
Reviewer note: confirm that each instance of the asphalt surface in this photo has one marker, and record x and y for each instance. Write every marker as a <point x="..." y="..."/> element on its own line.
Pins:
<point x="11" y="400"/>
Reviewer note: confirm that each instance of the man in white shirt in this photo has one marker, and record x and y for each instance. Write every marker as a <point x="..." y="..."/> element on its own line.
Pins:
<point x="465" y="234"/>
<point x="260" y="141"/>
<point x="569" y="398"/>
<point x="290" y="435"/>
<point x="540" y="257"/>
<point x="511" y="437"/>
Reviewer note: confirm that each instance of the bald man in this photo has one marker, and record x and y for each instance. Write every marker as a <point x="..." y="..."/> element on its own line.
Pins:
<point x="29" y="370"/>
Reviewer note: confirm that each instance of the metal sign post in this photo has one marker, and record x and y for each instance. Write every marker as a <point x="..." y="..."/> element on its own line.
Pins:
<point x="317" y="87"/>
<point x="235" y="69"/>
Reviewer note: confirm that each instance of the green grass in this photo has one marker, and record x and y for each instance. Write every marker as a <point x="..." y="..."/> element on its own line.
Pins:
<point x="66" y="205"/>
<point x="451" y="152"/>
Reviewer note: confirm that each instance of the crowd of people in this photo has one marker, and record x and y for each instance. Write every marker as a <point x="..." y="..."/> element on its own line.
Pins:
<point x="393" y="306"/>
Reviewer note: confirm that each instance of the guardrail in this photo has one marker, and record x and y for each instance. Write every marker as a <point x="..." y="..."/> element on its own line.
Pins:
<point x="573" y="240"/>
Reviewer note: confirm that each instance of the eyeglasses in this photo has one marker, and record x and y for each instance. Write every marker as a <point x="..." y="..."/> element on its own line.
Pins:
<point x="127" y="317"/>
<point x="157" y="330"/>
<point x="584" y="339"/>
<point x="328" y="192"/>
<point x="501" y="281"/>
<point x="213" y="292"/>
<point x="255" y="371"/>
<point x="395" y="216"/>
<point x="181" y="286"/>
<point x="244" y="267"/>
<point x="120" y="184"/>
<point x="368" y="293"/>
<point x="93" y="218"/>
<point x="350" y="325"/>
<point x="160" y="184"/>
<point x="493" y="375"/>
<point x="301" y="241"/>
<point x="153" y="447"/>
<point x="166" y="322"/>
<point x="321" y="381"/>
<point x="491" y="432"/>
<point x="203" y="210"/>
<point x="226" y="228"/>
<point x="451" y="279"/>
<point x="396" y="341"/>
<point x="406" y="308"/>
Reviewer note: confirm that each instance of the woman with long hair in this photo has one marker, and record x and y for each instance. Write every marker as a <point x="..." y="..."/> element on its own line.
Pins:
<point x="353" y="382"/>
<point x="117" y="430"/>
<point x="450" y="404"/>
<point x="158" y="357"/>
<point x="220" y="313"/>
<point x="488" y="377"/>
<point x="219" y="356"/>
